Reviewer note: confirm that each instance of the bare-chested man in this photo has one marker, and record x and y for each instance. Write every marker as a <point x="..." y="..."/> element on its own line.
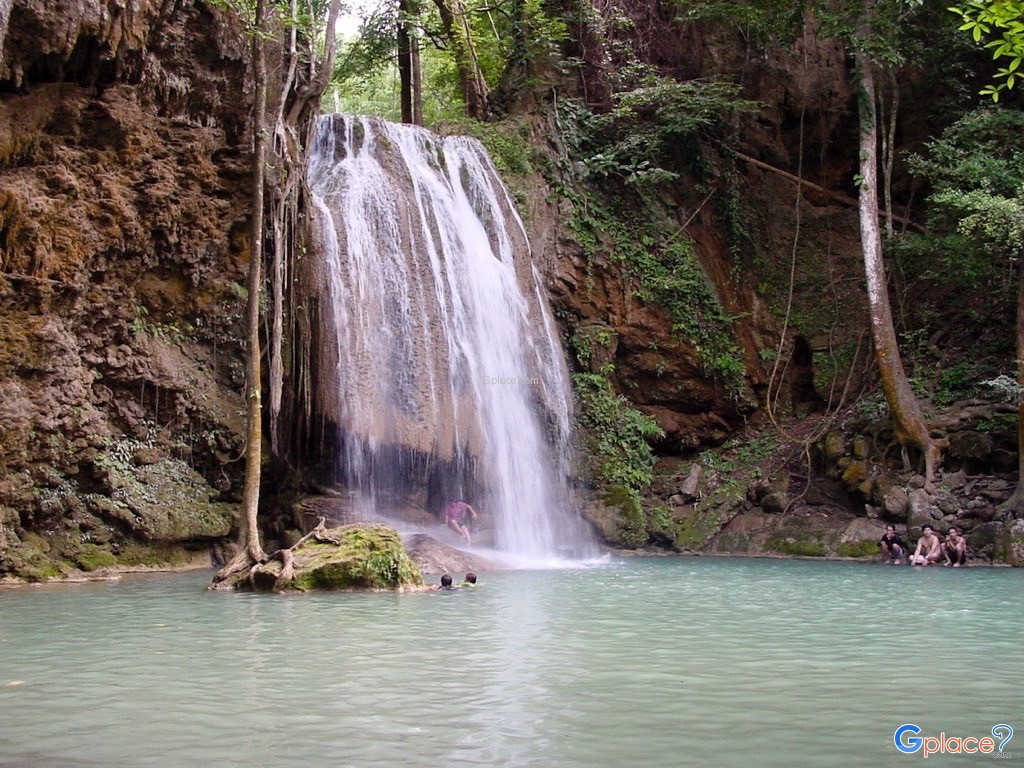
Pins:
<point x="955" y="548"/>
<point x="929" y="548"/>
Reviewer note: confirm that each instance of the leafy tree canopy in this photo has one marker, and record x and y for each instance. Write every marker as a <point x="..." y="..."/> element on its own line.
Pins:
<point x="977" y="170"/>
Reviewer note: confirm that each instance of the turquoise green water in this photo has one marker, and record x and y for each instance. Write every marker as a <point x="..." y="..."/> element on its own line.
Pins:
<point x="646" y="662"/>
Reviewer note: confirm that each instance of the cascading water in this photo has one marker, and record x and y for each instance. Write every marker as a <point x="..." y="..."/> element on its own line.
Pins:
<point x="445" y="367"/>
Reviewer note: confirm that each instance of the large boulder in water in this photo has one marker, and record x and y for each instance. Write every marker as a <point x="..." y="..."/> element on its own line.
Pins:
<point x="433" y="556"/>
<point x="349" y="557"/>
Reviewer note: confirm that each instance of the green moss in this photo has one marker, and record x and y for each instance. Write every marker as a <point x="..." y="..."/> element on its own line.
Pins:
<point x="166" y="501"/>
<point x="802" y="545"/>
<point x="93" y="558"/>
<point x="633" y="531"/>
<point x="671" y="277"/>
<point x="697" y="528"/>
<point x="858" y="549"/>
<point x="740" y="542"/>
<point x="356" y="557"/>
<point x="33" y="560"/>
<point x="152" y="555"/>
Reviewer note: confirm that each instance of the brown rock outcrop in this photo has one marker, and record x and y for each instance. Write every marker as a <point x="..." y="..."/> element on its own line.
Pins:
<point x="122" y="198"/>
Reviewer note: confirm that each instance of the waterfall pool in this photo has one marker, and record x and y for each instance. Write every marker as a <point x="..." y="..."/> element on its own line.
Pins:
<point x="636" y="662"/>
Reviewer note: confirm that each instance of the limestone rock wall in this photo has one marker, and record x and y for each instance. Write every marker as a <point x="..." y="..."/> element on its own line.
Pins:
<point x="123" y="197"/>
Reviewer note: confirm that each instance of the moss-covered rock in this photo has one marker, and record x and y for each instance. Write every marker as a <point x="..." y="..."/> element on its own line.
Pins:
<point x="696" y="529"/>
<point x="350" y="557"/>
<point x="94" y="558"/>
<point x="1009" y="543"/>
<point x="162" y="501"/>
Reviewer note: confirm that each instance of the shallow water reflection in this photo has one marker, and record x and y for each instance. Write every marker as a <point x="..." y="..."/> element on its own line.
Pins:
<point x="682" y="661"/>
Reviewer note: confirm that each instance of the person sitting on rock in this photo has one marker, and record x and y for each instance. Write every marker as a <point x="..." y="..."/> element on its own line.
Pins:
<point x="892" y="544"/>
<point x="455" y="518"/>
<point x="929" y="548"/>
<point x="955" y="548"/>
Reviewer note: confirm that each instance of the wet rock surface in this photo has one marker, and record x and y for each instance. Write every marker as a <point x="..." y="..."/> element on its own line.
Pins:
<point x="122" y="196"/>
<point x="838" y="506"/>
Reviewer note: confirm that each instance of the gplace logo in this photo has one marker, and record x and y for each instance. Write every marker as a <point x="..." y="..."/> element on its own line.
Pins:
<point x="908" y="741"/>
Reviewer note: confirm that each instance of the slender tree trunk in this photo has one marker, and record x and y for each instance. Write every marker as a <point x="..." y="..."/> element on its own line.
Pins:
<point x="889" y="152"/>
<point x="908" y="423"/>
<point x="406" y="54"/>
<point x="1015" y="504"/>
<point x="417" y="83"/>
<point x="455" y="20"/>
<point x="250" y="532"/>
<point x="254" y="374"/>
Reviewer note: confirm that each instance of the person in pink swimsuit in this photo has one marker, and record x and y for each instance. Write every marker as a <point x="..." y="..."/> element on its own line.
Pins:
<point x="455" y="518"/>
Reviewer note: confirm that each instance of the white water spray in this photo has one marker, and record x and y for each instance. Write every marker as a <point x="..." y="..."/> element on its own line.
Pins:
<point x="446" y="353"/>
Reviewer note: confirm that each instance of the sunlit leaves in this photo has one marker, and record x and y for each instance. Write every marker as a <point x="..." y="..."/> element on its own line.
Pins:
<point x="1001" y="24"/>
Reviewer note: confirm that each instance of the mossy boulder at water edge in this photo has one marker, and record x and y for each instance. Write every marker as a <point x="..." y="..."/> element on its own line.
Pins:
<point x="349" y="557"/>
<point x="1009" y="544"/>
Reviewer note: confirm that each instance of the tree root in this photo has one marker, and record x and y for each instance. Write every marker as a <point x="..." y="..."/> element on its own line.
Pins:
<point x="243" y="563"/>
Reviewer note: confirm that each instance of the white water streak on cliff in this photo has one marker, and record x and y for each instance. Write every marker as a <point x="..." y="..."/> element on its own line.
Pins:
<point x="5" y="15"/>
<point x="445" y="342"/>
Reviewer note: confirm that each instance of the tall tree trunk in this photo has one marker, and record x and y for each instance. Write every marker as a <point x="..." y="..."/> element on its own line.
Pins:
<point x="408" y="63"/>
<point x="908" y="423"/>
<point x="250" y="550"/>
<point x="889" y="149"/>
<point x="417" y="84"/>
<point x="1015" y="504"/>
<point x="455" y="20"/>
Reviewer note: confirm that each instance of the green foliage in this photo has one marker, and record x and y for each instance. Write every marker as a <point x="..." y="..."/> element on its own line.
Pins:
<point x="977" y="172"/>
<point x="762" y="20"/>
<point x="885" y="30"/>
<point x="653" y="132"/>
<point x="589" y="337"/>
<point x="618" y="434"/>
<point x="179" y="333"/>
<point x="1000" y="424"/>
<point x="984" y="149"/>
<point x="962" y="380"/>
<point x="365" y="79"/>
<point x="669" y="276"/>
<point x="365" y="82"/>
<point x="999" y="25"/>
<point x="872" y="407"/>
<point x="741" y="454"/>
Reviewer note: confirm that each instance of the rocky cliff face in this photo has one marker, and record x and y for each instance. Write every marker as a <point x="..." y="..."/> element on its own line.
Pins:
<point x="122" y="254"/>
<point x="758" y="492"/>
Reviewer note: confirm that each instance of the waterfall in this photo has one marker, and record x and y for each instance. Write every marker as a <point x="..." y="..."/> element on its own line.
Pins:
<point x="444" y="373"/>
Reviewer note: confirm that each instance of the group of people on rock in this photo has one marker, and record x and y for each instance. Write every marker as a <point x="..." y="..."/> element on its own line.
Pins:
<point x="930" y="548"/>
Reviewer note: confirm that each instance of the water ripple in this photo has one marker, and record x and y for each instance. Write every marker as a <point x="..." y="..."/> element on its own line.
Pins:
<point x="643" y="662"/>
